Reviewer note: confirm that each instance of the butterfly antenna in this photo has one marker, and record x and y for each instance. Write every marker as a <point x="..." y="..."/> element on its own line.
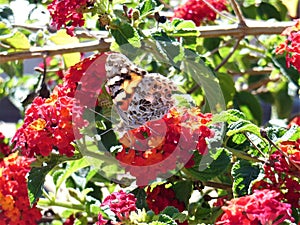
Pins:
<point x="101" y="115"/>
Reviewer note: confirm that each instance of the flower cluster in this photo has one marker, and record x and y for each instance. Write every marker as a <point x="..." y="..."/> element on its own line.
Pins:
<point x="199" y="11"/>
<point x="68" y="13"/>
<point x="48" y="125"/>
<point x="291" y="46"/>
<point x="160" y="197"/>
<point x="120" y="203"/>
<point x="53" y="123"/>
<point x="14" y="203"/>
<point x="4" y="147"/>
<point x="262" y="207"/>
<point x="160" y="145"/>
<point x="280" y="173"/>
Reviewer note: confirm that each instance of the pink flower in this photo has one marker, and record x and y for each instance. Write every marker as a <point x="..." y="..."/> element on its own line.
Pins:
<point x="120" y="203"/>
<point x="68" y="13"/>
<point x="291" y="46"/>
<point x="198" y="11"/>
<point x="262" y="207"/>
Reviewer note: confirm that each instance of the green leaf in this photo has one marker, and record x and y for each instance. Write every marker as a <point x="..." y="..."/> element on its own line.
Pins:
<point x="243" y="173"/>
<point x="227" y="86"/>
<point x="204" y="77"/>
<point x="242" y="126"/>
<point x="36" y="179"/>
<point x="211" y="43"/>
<point x="183" y="28"/>
<point x="170" y="211"/>
<point x="210" y="166"/>
<point x="125" y="34"/>
<point x="229" y="116"/>
<point x="146" y="6"/>
<point x="283" y="101"/>
<point x="141" y="195"/>
<point x="239" y="138"/>
<point x="18" y="40"/>
<point x="183" y="191"/>
<point x="166" y="219"/>
<point x="249" y="105"/>
<point x="268" y="11"/>
<point x="72" y="168"/>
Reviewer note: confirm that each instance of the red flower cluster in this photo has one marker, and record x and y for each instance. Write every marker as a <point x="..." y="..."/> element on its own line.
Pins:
<point x="160" y="145"/>
<point x="262" y="207"/>
<point x="4" y="147"/>
<point x="14" y="203"/>
<point x="280" y="173"/>
<point x="291" y="46"/>
<point x="68" y="13"/>
<point x="48" y="125"/>
<point x="198" y="11"/>
<point x="160" y="197"/>
<point x="120" y="203"/>
<point x="53" y="123"/>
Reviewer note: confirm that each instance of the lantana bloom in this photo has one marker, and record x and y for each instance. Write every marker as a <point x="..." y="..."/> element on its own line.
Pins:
<point x="15" y="208"/>
<point x="291" y="47"/>
<point x="120" y="203"/>
<point x="198" y="11"/>
<point x="262" y="207"/>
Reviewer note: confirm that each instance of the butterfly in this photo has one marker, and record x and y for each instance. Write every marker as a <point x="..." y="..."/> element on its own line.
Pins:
<point x="138" y="96"/>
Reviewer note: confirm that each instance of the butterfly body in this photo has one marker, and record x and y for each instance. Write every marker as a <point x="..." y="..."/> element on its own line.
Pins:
<point x="138" y="96"/>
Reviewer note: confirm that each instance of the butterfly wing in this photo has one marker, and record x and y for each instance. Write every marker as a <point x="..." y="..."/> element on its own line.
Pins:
<point x="152" y="99"/>
<point x="138" y="96"/>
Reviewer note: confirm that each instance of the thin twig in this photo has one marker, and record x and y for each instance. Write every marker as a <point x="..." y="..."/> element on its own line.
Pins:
<point x="238" y="12"/>
<point x="217" y="11"/>
<point x="249" y="139"/>
<point x="251" y="72"/>
<point x="234" y="48"/>
<point x="261" y="83"/>
<point x="264" y="134"/>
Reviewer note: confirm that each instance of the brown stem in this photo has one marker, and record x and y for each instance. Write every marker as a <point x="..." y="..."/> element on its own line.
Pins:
<point x="255" y="28"/>
<point x="39" y="52"/>
<point x="227" y="187"/>
<point x="217" y="11"/>
<point x="236" y="45"/>
<point x="238" y="12"/>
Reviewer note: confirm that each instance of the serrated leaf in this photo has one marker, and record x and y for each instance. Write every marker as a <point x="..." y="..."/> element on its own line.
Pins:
<point x="72" y="168"/>
<point x="125" y="34"/>
<point x="243" y="173"/>
<point x="170" y="211"/>
<point x="242" y="126"/>
<point x="239" y="138"/>
<point x="228" y="116"/>
<point x="212" y="166"/>
<point x="166" y="219"/>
